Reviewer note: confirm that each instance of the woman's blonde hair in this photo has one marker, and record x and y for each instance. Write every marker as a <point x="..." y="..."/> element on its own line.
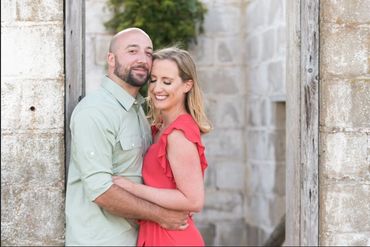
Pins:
<point x="194" y="98"/>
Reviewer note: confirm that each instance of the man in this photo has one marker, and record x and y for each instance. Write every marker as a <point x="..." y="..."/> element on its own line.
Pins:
<point x="110" y="135"/>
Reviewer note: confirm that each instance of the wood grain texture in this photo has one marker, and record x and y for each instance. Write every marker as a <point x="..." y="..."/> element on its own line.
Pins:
<point x="74" y="62"/>
<point x="302" y="203"/>
<point x="293" y="142"/>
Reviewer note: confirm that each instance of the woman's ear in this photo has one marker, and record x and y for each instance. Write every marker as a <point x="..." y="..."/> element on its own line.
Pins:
<point x="188" y="85"/>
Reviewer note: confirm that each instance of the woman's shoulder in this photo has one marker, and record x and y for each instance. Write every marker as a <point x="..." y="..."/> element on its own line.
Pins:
<point x="187" y="125"/>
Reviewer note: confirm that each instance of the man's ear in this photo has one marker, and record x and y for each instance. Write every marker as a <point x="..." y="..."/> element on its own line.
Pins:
<point x="111" y="60"/>
<point x="188" y="85"/>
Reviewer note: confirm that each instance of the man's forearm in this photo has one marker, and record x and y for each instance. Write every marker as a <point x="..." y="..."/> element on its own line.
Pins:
<point x="122" y="203"/>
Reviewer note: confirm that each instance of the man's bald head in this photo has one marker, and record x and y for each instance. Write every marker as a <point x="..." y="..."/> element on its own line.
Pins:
<point x="122" y="34"/>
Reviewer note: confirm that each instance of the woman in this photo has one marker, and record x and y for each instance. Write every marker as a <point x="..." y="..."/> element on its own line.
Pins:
<point x="174" y="165"/>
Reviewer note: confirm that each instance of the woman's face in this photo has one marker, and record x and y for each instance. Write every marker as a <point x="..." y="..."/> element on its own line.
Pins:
<point x="166" y="88"/>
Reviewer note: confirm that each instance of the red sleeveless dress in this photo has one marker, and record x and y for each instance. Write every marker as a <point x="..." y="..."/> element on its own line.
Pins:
<point x="157" y="173"/>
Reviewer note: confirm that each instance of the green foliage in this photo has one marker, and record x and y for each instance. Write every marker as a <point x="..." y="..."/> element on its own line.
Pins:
<point x="167" y="22"/>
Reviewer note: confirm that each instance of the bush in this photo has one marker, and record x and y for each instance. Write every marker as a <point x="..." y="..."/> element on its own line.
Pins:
<point x="167" y="22"/>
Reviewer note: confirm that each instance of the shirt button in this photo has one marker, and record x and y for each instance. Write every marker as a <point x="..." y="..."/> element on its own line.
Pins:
<point x="132" y="145"/>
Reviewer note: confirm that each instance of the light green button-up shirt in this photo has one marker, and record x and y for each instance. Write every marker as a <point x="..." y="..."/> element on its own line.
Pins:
<point x="110" y="135"/>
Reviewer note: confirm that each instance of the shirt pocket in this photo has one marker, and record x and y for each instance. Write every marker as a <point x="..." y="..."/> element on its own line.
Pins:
<point x="127" y="157"/>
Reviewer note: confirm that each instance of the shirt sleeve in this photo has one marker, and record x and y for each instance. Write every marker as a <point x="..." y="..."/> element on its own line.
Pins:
<point x="92" y="145"/>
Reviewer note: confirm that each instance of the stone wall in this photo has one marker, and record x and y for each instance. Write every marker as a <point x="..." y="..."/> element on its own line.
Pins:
<point x="32" y="122"/>
<point x="345" y="123"/>
<point x="265" y="51"/>
<point x="219" y="58"/>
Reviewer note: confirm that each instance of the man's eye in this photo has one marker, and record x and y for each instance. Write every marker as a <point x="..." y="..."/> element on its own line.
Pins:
<point x="132" y="51"/>
<point x="149" y="54"/>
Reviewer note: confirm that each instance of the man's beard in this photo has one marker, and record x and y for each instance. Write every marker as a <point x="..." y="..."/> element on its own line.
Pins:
<point x="128" y="76"/>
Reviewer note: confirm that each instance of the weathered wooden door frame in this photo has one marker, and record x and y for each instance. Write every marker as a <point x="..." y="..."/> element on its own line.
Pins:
<point x="302" y="157"/>
<point x="74" y="32"/>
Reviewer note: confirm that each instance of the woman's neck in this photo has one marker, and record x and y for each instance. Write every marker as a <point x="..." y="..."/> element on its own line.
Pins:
<point x="170" y="116"/>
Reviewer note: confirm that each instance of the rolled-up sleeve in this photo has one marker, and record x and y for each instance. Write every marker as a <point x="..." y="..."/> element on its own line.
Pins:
<point x="92" y="145"/>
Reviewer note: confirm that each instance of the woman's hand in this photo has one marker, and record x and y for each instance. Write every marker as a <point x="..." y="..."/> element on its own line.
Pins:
<point x="122" y="182"/>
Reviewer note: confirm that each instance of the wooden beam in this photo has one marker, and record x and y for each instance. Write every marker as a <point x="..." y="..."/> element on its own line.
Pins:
<point x="302" y="205"/>
<point x="74" y="62"/>
<point x="309" y="121"/>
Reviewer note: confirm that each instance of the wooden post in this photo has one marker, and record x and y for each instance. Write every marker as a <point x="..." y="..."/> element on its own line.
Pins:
<point x="309" y="122"/>
<point x="302" y="123"/>
<point x="74" y="62"/>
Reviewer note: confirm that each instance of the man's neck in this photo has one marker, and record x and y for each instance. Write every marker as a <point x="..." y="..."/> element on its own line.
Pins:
<point x="133" y="91"/>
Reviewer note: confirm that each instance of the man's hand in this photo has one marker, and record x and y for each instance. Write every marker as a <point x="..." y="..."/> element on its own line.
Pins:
<point x="174" y="220"/>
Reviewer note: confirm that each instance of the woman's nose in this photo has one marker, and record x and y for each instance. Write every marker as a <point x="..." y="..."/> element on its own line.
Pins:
<point x="155" y="87"/>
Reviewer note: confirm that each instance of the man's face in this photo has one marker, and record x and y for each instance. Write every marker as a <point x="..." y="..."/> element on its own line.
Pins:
<point x="133" y="59"/>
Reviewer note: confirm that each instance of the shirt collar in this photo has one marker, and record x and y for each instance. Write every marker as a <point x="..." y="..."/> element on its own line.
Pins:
<point x="123" y="97"/>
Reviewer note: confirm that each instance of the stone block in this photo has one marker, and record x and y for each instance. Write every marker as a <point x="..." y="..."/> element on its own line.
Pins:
<point x="94" y="78"/>
<point x="253" y="50"/>
<point x="257" y="81"/>
<point x="344" y="156"/>
<point x="349" y="57"/>
<point x="269" y="44"/>
<point x="41" y="56"/>
<point x="221" y="206"/>
<point x="101" y="49"/>
<point x="257" y="113"/>
<point x="32" y="215"/>
<point x="230" y="175"/>
<point x="227" y="17"/>
<point x="203" y="51"/>
<point x="232" y="233"/>
<point x="258" y="144"/>
<point x="33" y="105"/>
<point x="265" y="170"/>
<point x="97" y="13"/>
<point x="32" y="160"/>
<point x="345" y="239"/>
<point x="257" y="208"/>
<point x="276" y="10"/>
<point x="256" y="17"/>
<point x="229" y="50"/>
<point x="276" y="76"/>
<point x="226" y="112"/>
<point x="344" y="208"/>
<point x="345" y="11"/>
<point x="276" y="209"/>
<point x="281" y="40"/>
<point x="210" y="174"/>
<point x="42" y="10"/>
<point x="345" y="103"/>
<point x="222" y="80"/>
<point x="8" y="11"/>
<point x="225" y="144"/>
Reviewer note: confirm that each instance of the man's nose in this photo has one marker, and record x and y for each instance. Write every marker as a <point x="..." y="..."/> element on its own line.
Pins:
<point x="143" y="58"/>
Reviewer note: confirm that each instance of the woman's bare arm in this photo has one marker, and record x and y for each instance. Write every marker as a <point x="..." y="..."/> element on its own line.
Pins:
<point x="185" y="164"/>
